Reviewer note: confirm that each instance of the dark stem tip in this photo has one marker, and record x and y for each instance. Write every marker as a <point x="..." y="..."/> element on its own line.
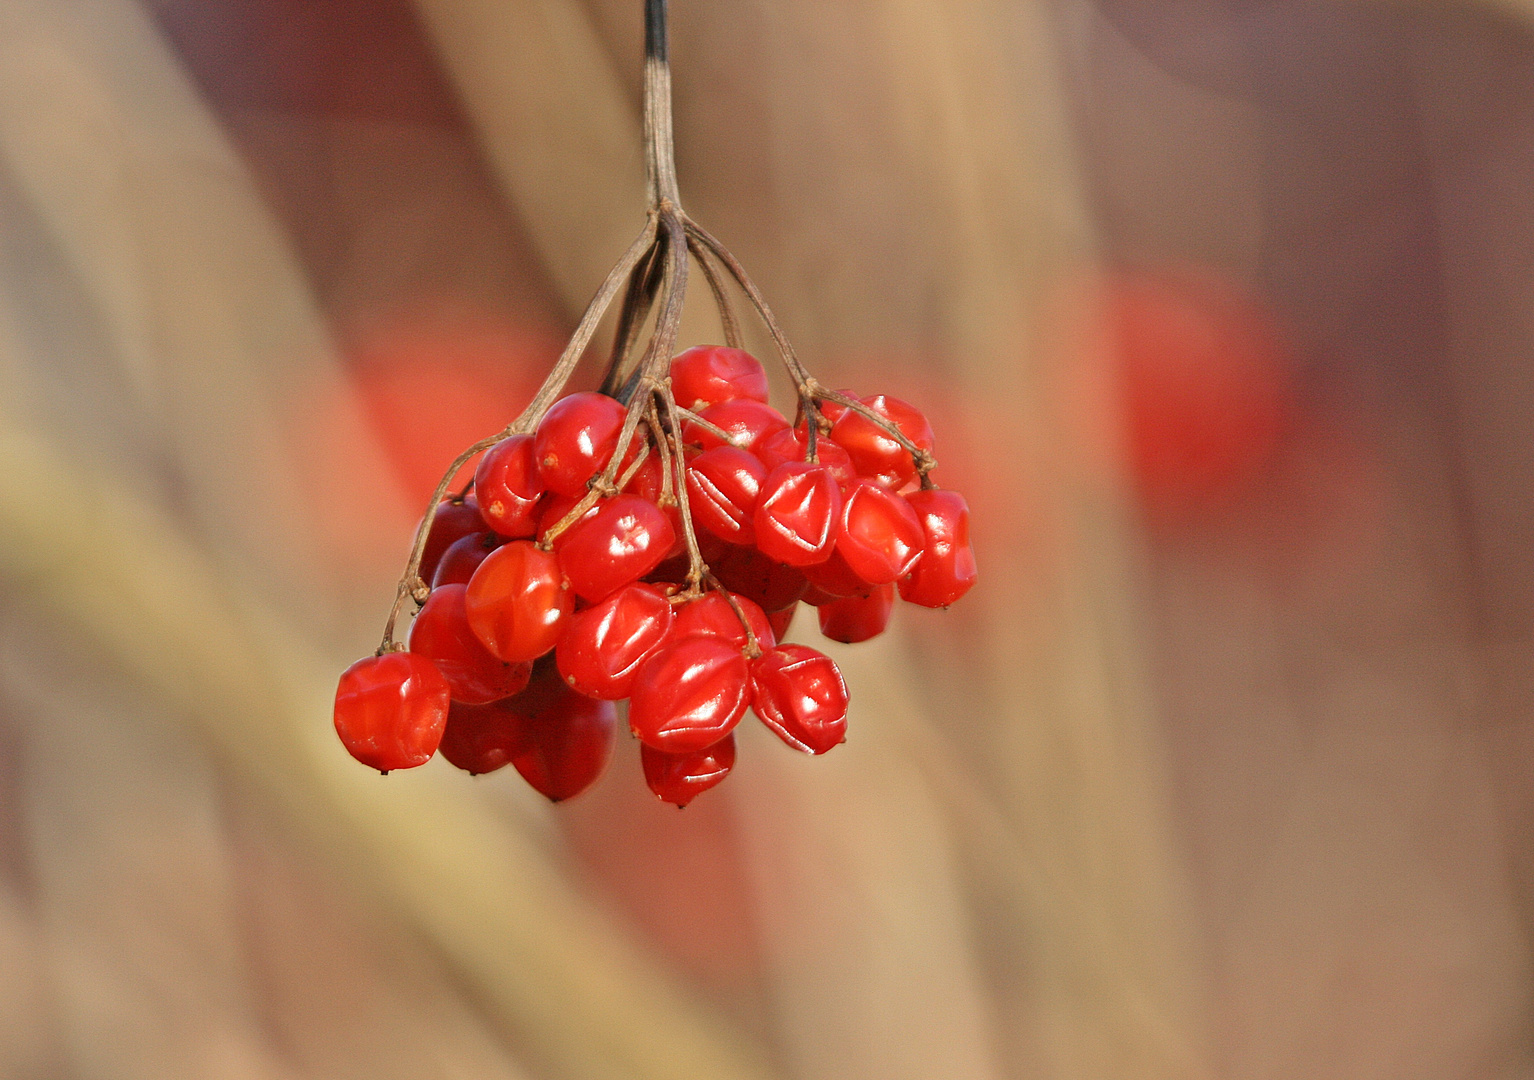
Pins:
<point x="655" y="30"/>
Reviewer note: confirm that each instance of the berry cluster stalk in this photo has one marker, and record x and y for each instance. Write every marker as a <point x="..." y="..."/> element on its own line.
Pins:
<point x="654" y="270"/>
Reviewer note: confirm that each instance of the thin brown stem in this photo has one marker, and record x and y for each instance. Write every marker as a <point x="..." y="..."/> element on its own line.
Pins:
<point x="565" y="366"/>
<point x="753" y="647"/>
<point x="690" y="417"/>
<point x="638" y="299"/>
<point x="722" y="303"/>
<point x="660" y="158"/>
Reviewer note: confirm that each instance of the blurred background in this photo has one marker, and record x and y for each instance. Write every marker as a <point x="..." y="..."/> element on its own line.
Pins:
<point x="1223" y="312"/>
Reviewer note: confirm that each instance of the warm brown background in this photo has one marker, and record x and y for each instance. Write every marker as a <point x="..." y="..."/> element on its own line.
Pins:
<point x="1232" y="789"/>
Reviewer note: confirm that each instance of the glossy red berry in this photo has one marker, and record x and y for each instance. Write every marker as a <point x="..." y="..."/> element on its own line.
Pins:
<point x="947" y="569"/>
<point x="881" y="538"/>
<point x="605" y="644"/>
<point x="791" y="445"/>
<point x="708" y="374"/>
<point x="874" y="452"/>
<point x="780" y="621"/>
<point x="799" y="693"/>
<point x="450" y="522"/>
<point x="711" y="614"/>
<point x="463" y="557"/>
<point x="648" y="482"/>
<point x="833" y="580"/>
<point x="853" y="619"/>
<point x="689" y="694"/>
<point x="553" y="508"/>
<point x="390" y="710"/>
<point x="747" y="571"/>
<point x="798" y="518"/>
<point x="680" y="778"/>
<point x="749" y="422"/>
<point x="518" y="601"/>
<point x="507" y="485"/>
<point x="482" y="738"/>
<point x="576" y="440"/>
<point x="623" y="541"/>
<point x="567" y="737"/>
<point x="723" y="485"/>
<point x="474" y="676"/>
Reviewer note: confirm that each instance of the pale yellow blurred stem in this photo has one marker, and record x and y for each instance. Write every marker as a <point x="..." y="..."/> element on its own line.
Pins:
<point x="1085" y="839"/>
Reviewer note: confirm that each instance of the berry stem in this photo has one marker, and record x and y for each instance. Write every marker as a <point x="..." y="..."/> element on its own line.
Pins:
<point x="753" y="647"/>
<point x="722" y="303"/>
<point x="660" y="157"/>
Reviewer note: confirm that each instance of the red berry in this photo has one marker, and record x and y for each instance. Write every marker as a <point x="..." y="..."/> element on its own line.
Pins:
<point x="576" y="440"/>
<point x="708" y="374"/>
<point x="689" y="694"/>
<point x="748" y="572"/>
<point x="680" y="778"/>
<point x="833" y="580"/>
<point x="553" y="508"/>
<point x="518" y="601"/>
<point x="624" y="540"/>
<point x="463" y="557"/>
<point x="748" y="421"/>
<point x="797" y="518"/>
<point x="723" y="485"/>
<point x="874" y="452"/>
<point x="831" y="410"/>
<point x="482" y="738"/>
<point x="566" y="737"/>
<point x="450" y="522"/>
<point x="441" y="633"/>
<point x="791" y="445"/>
<point x="605" y="645"/>
<point x="881" y="538"/>
<point x="648" y="482"/>
<point x="947" y="570"/>
<point x="507" y="485"/>
<point x="390" y="710"/>
<point x="779" y="621"/>
<point x="799" y="693"/>
<point x="711" y="614"/>
<point x="857" y="618"/>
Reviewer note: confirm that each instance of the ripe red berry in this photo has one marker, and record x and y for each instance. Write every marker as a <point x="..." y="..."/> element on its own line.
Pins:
<point x="576" y="440"/>
<point x="881" y="538"/>
<point x="708" y="374"/>
<point x="797" y="519"/>
<point x="624" y="540"/>
<point x="711" y="614"/>
<point x="390" y="710"/>
<point x="749" y="422"/>
<point x="441" y="633"/>
<point x="852" y="619"/>
<point x="552" y="509"/>
<point x="791" y="445"/>
<point x="723" y="485"/>
<point x="450" y="522"/>
<point x="799" y="693"/>
<point x="833" y="580"/>
<point x="463" y="557"/>
<point x="566" y="736"/>
<point x="689" y="694"/>
<point x="874" y="452"/>
<point x="747" y="571"/>
<point x="680" y="778"/>
<point x="947" y="570"/>
<point x="605" y="644"/>
<point x="518" y="601"/>
<point x="507" y="485"/>
<point x="780" y="621"/>
<point x="648" y="483"/>
<point x="482" y="738"/>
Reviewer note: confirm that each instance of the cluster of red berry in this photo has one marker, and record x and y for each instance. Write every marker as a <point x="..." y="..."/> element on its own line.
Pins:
<point x="567" y="582"/>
